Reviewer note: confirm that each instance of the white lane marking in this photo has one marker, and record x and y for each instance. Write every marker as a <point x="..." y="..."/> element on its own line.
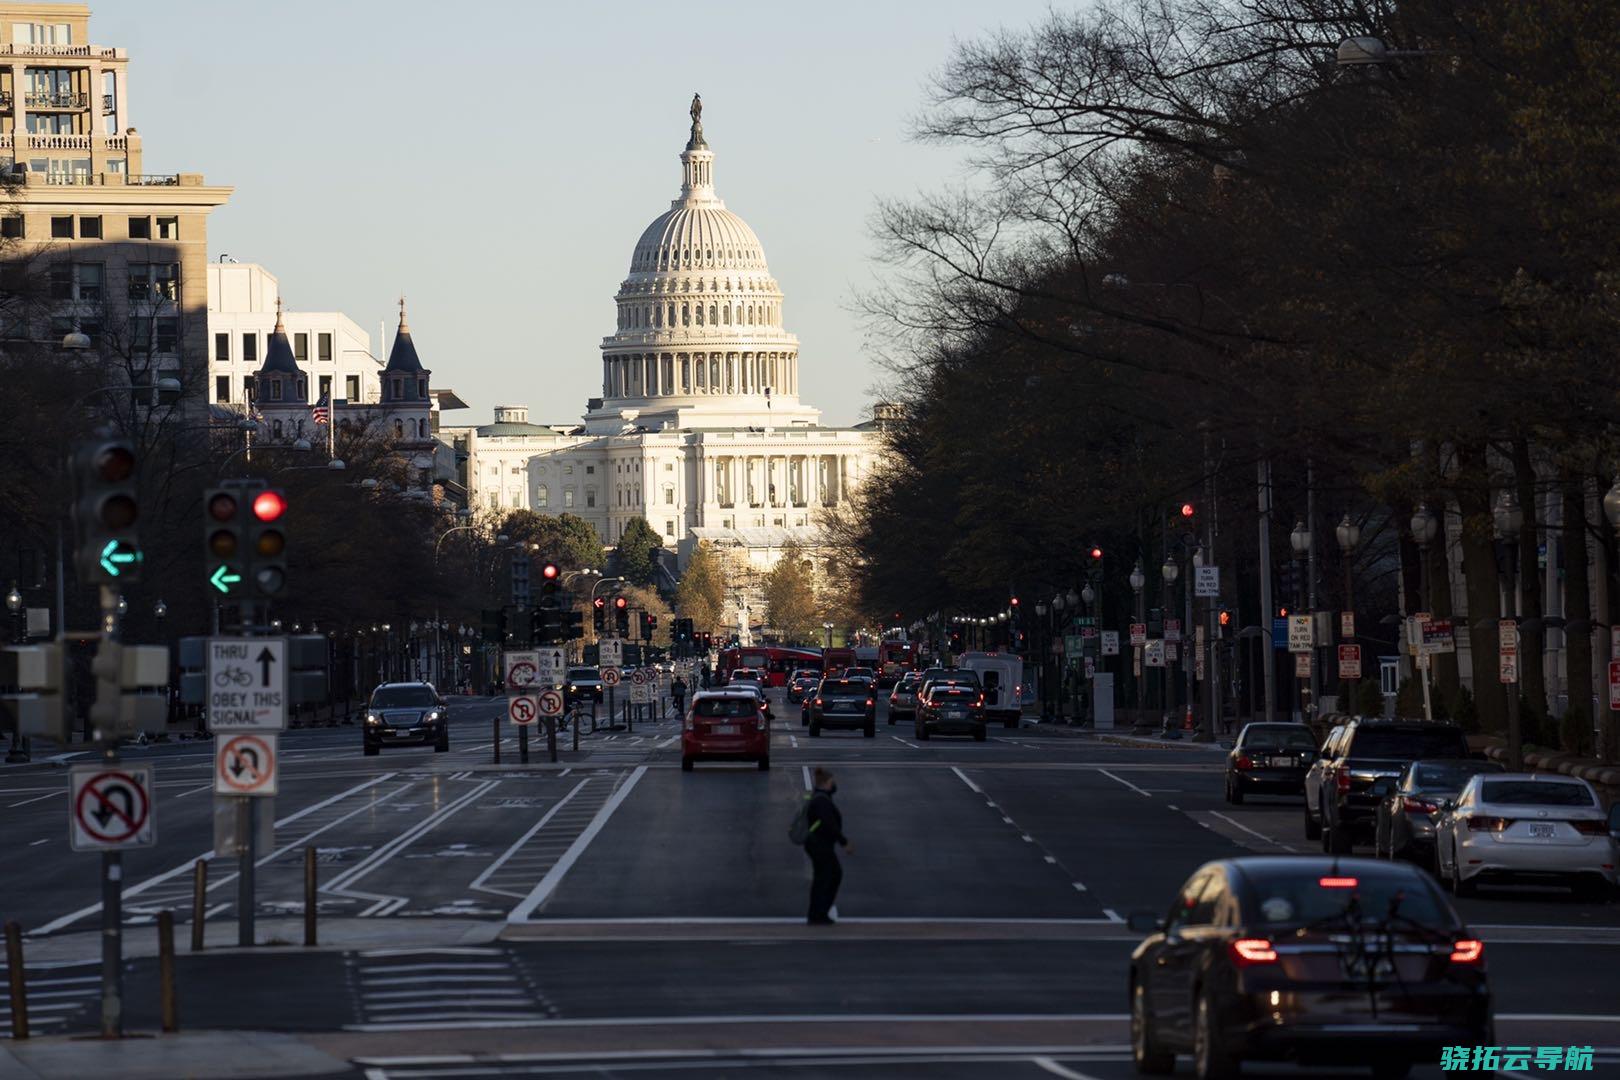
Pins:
<point x="36" y="798"/>
<point x="793" y="741"/>
<point x="36" y="843"/>
<point x="1051" y="859"/>
<point x="1173" y="806"/>
<point x="385" y="904"/>
<point x="785" y="920"/>
<point x="195" y="790"/>
<point x="898" y="739"/>
<point x="559" y="870"/>
<point x="1055" y="1069"/>
<point x="1113" y="916"/>
<point x="962" y="776"/>
<point x="790" y="1018"/>
<point x="808" y="786"/>
<point x="1574" y="1018"/>
<point x="1127" y="783"/>
<point x="478" y="882"/>
<point x="565" y="772"/>
<point x="1007" y="819"/>
<point x="1078" y="887"/>
<point x="1028" y="839"/>
<point x="1251" y="832"/>
<point x="462" y="950"/>
<point x="460" y="965"/>
<point x="185" y="867"/>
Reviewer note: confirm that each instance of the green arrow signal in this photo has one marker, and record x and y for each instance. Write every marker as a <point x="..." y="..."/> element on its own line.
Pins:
<point x="222" y="579"/>
<point x="113" y="556"/>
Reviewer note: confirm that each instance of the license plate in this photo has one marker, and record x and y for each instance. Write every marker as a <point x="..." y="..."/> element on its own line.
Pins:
<point x="1282" y="763"/>
<point x="1542" y="832"/>
<point x="1356" y="966"/>
<point x="955" y="714"/>
<point x="723" y="729"/>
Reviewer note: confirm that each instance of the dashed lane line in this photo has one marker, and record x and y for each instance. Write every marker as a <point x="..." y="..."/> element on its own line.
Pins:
<point x="1258" y="835"/>
<point x="1127" y="783"/>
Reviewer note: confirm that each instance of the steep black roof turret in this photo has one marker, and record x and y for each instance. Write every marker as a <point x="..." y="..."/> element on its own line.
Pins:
<point x="278" y="354"/>
<point x="403" y="356"/>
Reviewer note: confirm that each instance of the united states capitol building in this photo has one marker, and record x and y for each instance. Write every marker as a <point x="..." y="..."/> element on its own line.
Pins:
<point x="699" y="428"/>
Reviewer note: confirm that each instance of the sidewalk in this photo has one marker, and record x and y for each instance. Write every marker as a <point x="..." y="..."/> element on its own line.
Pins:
<point x="198" y="1054"/>
<point x="283" y="935"/>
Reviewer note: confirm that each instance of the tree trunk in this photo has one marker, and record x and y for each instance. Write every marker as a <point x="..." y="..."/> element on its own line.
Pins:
<point x="1532" y="670"/>
<point x="1483" y="585"/>
<point x="1578" y="612"/>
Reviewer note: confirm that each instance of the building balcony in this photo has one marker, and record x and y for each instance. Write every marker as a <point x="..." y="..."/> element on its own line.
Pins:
<point x="86" y="52"/>
<point x="56" y="100"/>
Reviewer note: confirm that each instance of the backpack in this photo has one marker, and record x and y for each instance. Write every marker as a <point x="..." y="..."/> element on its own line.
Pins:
<point x="799" y="828"/>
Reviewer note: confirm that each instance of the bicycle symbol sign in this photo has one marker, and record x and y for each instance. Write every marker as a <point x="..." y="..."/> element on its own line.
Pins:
<point x="247" y="684"/>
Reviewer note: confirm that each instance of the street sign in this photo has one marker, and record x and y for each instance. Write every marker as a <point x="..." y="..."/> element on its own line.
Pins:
<point x="1110" y="642"/>
<point x="1206" y="581"/>
<point x="1347" y="624"/>
<point x="1138" y="633"/>
<point x="1198" y="665"/>
<point x="522" y="709"/>
<point x="1437" y="637"/>
<point x="1172" y="652"/>
<point x="610" y="652"/>
<point x="1507" y="670"/>
<point x="1153" y="653"/>
<point x="245" y="765"/>
<point x="1172" y="629"/>
<point x="1279" y="633"/>
<point x="1299" y="633"/>
<point x="1614" y="685"/>
<point x="1507" y="651"/>
<point x="110" y="806"/>
<point x="247" y="684"/>
<point x="1091" y="668"/>
<point x="1302" y="665"/>
<point x="522" y="670"/>
<point x="1349" y="661"/>
<point x="611" y="676"/>
<point x="550" y="667"/>
<point x="1614" y="635"/>
<point x="550" y="702"/>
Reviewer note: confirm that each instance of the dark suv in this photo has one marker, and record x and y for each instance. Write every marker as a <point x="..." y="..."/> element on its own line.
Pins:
<point x="406" y="713"/>
<point x="1353" y="761"/>
<point x="843" y="703"/>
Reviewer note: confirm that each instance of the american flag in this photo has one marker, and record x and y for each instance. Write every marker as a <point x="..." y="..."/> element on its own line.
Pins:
<point x="321" y="410"/>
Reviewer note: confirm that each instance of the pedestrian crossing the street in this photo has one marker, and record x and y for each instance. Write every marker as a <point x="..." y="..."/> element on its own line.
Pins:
<point x="420" y="989"/>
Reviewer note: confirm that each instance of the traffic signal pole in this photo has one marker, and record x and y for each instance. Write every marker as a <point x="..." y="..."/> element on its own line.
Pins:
<point x="104" y="717"/>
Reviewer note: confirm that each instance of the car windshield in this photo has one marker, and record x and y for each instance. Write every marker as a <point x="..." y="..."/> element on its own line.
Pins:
<point x="1408" y="744"/>
<point x="1449" y="775"/>
<point x="1289" y="898"/>
<point x="1535" y="793"/>
<point x="1292" y="737"/>
<point x="402" y="697"/>
<point x="576" y="674"/>
<point x="724" y="706"/>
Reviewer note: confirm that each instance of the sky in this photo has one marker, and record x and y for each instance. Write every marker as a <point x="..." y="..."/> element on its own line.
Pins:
<point x="497" y="169"/>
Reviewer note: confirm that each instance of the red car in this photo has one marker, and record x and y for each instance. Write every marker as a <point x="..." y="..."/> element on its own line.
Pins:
<point x="726" y="725"/>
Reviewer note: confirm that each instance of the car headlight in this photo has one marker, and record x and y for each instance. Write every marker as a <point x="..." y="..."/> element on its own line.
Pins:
<point x="435" y="715"/>
<point x="373" y="719"/>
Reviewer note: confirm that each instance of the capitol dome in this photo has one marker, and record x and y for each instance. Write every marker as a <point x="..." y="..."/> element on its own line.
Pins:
<point x="699" y="315"/>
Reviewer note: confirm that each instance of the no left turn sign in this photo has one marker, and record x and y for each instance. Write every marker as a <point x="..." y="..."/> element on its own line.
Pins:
<point x="245" y="765"/>
<point x="110" y="807"/>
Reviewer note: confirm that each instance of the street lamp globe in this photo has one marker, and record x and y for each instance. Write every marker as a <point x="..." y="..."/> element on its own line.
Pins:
<point x="1170" y="571"/>
<point x="1424" y="526"/>
<point x="1072" y="599"/>
<point x="123" y="606"/>
<point x="1348" y="533"/>
<point x="1611" y="504"/>
<point x="1300" y="538"/>
<point x="1138" y="579"/>
<point x="14" y="599"/>
<point x="1057" y="601"/>
<point x="1509" y="517"/>
<point x="1040" y="608"/>
<point x="1087" y="594"/>
<point x="160" y="609"/>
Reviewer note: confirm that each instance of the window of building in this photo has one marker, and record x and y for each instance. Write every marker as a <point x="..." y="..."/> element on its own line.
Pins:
<point x="542" y="495"/>
<point x="301" y="348"/>
<point x="168" y="228"/>
<point x="568" y="470"/>
<point x="494" y="500"/>
<point x="399" y="433"/>
<point x="326" y="386"/>
<point x="351" y="385"/>
<point x="140" y="228"/>
<point x="590" y="470"/>
<point x="153" y="281"/>
<point x="250" y="348"/>
<point x="568" y="497"/>
<point x="669" y="466"/>
<point x="669" y="495"/>
<point x="324" y="345"/>
<point x="62" y="228"/>
<point x="275" y="389"/>
<point x="248" y="389"/>
<point x="669" y="528"/>
<point x="590" y="496"/>
<point x="90" y="227"/>
<point x="276" y="428"/>
<point x="222" y="388"/>
<point x="156" y="334"/>
<point x="11" y="226"/>
<point x="222" y="349"/>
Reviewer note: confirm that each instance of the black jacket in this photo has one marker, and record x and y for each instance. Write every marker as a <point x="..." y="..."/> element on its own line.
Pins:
<point x="826" y="824"/>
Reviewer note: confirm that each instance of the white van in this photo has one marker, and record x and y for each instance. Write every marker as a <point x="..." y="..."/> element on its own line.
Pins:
<point x="1000" y="675"/>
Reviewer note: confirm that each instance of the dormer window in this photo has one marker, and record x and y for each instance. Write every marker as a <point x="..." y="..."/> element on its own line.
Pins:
<point x="275" y="390"/>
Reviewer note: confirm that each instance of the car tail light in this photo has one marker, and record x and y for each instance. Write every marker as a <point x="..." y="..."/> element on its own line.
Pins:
<point x="1467" y="951"/>
<point x="1417" y="806"/>
<point x="980" y="701"/>
<point x="818" y="702"/>
<point x="1342" y="782"/>
<point x="1590" y="828"/>
<point x="1478" y="823"/>
<point x="1243" y="762"/>
<point x="870" y="703"/>
<point x="1337" y="882"/>
<point x="1247" y="951"/>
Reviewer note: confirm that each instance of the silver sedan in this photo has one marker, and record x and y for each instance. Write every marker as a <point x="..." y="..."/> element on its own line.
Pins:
<point x="1526" y="827"/>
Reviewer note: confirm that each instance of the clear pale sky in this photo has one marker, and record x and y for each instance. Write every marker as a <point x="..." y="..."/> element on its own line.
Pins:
<point x="497" y="162"/>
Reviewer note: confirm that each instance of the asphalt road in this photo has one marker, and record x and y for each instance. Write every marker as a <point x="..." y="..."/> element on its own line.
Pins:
<point x="989" y="883"/>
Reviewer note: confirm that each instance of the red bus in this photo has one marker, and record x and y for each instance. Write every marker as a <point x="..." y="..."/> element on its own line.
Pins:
<point x="776" y="662"/>
<point x="894" y="659"/>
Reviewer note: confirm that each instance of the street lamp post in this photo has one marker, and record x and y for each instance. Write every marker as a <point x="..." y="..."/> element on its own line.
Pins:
<point x="1348" y="533"/>
<point x="1425" y="527"/>
<point x="1137" y="580"/>
<point x="14" y="604"/>
<point x="1169" y="571"/>
<point x="1509" y="518"/>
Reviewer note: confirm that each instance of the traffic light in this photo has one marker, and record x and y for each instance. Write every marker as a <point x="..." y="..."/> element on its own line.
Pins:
<point x="224" y="541"/>
<point x="573" y="625"/>
<point x="1226" y="618"/>
<point x="621" y="616"/>
<point x="1187" y="511"/>
<point x="105" y="510"/>
<point x="599" y="614"/>
<point x="648" y="622"/>
<point x="267" y="543"/>
<point x="1096" y="554"/>
<point x="550" y="587"/>
<point x="494" y="625"/>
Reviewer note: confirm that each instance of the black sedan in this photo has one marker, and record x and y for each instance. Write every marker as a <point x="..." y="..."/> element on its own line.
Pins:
<point x="1414" y="802"/>
<point x="1309" y="959"/>
<point x="944" y="709"/>
<point x="1269" y="758"/>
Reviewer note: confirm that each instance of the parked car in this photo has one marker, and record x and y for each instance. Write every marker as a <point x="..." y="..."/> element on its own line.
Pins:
<point x="843" y="703"/>
<point x="1408" y="813"/>
<point x="725" y="725"/>
<point x="410" y="712"/>
<point x="1001" y="677"/>
<point x="947" y="709"/>
<point x="1313" y="782"/>
<point x="803" y="681"/>
<point x="903" y="698"/>
<point x="1321" y="961"/>
<point x="1269" y="758"/>
<point x="1526" y="827"/>
<point x="1365" y="751"/>
<point x="584" y="684"/>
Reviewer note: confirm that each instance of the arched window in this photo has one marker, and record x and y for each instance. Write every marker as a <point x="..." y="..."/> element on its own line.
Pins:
<point x="399" y="430"/>
<point x="750" y="314"/>
<point x="686" y="314"/>
<point x="542" y="496"/>
<point x="712" y="320"/>
<point x="275" y="428"/>
<point x="700" y="314"/>
<point x="670" y="317"/>
<point x="725" y="314"/>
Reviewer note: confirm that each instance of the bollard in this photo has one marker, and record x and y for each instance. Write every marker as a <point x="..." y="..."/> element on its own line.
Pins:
<point x="166" y="1006"/>
<point x="551" y="738"/>
<point x="19" y="981"/>
<point x="309" y="898"/>
<point x="523" y="744"/>
<point x="629" y="717"/>
<point x="199" y="903"/>
<point x="579" y="718"/>
<point x="497" y="738"/>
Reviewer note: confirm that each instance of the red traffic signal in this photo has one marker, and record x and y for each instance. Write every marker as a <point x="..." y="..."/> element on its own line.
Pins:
<point x="269" y="505"/>
<point x="1096" y="553"/>
<point x="1186" y="510"/>
<point x="549" y="571"/>
<point x="620" y="603"/>
<point x="1014" y="601"/>
<point x="1282" y="613"/>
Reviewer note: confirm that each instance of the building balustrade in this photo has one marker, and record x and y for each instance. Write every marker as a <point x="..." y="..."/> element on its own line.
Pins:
<point x="56" y="99"/>
<point x="26" y="48"/>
